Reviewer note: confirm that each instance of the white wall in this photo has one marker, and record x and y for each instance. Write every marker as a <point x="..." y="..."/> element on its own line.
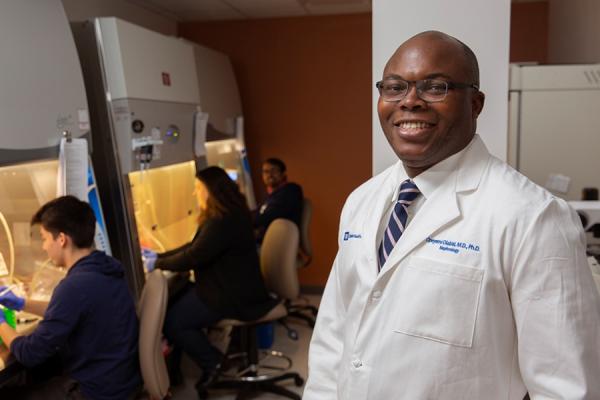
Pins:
<point x="484" y="25"/>
<point x="574" y="31"/>
<point x="81" y="10"/>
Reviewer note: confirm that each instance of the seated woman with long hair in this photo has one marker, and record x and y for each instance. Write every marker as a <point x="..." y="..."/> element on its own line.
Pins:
<point x="228" y="281"/>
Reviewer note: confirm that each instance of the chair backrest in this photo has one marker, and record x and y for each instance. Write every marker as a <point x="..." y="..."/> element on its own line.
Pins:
<point x="278" y="258"/>
<point x="151" y="312"/>
<point x="305" y="254"/>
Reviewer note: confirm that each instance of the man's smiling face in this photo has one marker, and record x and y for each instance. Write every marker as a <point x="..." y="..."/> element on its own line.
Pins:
<point x="424" y="133"/>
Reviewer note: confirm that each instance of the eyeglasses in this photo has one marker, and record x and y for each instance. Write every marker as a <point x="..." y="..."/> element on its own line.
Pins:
<point x="429" y="90"/>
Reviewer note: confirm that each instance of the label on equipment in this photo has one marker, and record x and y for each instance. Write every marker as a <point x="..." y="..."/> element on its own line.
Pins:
<point x="84" y="119"/>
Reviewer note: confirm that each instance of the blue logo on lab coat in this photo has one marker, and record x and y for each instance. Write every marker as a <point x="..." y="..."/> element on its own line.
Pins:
<point x="349" y="235"/>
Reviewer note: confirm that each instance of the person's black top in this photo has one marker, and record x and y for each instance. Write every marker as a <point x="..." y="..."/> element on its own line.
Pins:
<point x="225" y="262"/>
<point x="284" y="202"/>
<point x="92" y="324"/>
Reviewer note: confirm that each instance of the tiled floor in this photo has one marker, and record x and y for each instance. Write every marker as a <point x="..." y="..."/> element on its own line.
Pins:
<point x="296" y="350"/>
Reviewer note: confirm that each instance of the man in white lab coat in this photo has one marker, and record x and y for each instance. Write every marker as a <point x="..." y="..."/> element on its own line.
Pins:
<point x="468" y="281"/>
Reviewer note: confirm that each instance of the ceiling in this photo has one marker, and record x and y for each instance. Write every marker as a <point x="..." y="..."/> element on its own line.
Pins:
<point x="213" y="10"/>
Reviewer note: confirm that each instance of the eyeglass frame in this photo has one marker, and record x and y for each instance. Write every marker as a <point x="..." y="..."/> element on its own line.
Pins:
<point x="450" y="85"/>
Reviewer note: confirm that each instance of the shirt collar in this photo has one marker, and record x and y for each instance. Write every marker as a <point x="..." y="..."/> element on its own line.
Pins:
<point x="428" y="181"/>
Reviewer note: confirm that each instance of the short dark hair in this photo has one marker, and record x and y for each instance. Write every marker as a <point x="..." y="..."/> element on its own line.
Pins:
<point x="276" y="162"/>
<point x="69" y="215"/>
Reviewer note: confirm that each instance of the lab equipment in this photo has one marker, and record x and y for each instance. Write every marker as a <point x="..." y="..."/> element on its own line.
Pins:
<point x="11" y="247"/>
<point x="156" y="106"/>
<point x="589" y="213"/>
<point x="145" y="104"/>
<point x="7" y="315"/>
<point x="553" y="126"/>
<point x="595" y="267"/>
<point x="222" y="108"/>
<point x="45" y="279"/>
<point x="43" y="114"/>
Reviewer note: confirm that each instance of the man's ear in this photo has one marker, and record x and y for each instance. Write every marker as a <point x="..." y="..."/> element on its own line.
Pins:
<point x="477" y="101"/>
<point x="63" y="239"/>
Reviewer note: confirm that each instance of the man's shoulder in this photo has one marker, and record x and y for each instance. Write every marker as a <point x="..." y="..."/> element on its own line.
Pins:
<point x="506" y="181"/>
<point x="67" y="295"/>
<point x="369" y="189"/>
<point x="516" y="197"/>
<point x="292" y="187"/>
<point x="497" y="181"/>
<point x="374" y="182"/>
<point x="287" y="192"/>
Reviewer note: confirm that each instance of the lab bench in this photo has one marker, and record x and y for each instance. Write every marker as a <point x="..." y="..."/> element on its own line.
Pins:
<point x="11" y="369"/>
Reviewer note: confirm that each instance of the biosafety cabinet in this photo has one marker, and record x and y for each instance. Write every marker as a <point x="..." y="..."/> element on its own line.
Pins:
<point x="144" y="104"/>
<point x="44" y="138"/>
<point x="155" y="102"/>
<point x="222" y="113"/>
<point x="554" y="126"/>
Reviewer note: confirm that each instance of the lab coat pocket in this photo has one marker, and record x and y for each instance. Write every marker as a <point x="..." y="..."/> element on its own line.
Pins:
<point x="438" y="301"/>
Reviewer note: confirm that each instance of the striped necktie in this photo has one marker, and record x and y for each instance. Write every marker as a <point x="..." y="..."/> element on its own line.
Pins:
<point x="397" y="224"/>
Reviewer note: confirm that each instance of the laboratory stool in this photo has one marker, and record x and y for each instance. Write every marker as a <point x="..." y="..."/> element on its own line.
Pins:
<point x="252" y="370"/>
<point x="151" y="313"/>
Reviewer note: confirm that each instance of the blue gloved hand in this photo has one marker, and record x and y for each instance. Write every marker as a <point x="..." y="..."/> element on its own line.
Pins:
<point x="11" y="300"/>
<point x="2" y="317"/>
<point x="149" y="257"/>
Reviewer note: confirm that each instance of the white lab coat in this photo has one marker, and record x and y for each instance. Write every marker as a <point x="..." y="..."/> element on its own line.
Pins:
<point x="487" y="295"/>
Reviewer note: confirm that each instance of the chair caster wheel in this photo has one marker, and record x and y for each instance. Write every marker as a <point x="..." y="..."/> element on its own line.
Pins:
<point x="298" y="381"/>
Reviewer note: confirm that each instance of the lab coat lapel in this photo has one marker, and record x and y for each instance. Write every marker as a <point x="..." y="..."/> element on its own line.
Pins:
<point x="438" y="210"/>
<point x="442" y="207"/>
<point x="381" y="201"/>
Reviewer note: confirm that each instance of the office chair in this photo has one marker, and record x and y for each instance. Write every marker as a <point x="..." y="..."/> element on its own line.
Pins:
<point x="256" y="371"/>
<point x="151" y="313"/>
<point x="305" y="252"/>
<point x="300" y="307"/>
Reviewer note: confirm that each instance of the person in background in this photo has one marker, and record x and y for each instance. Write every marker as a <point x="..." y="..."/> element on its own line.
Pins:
<point x="284" y="199"/>
<point x="90" y="321"/>
<point x="228" y="281"/>
<point x="456" y="277"/>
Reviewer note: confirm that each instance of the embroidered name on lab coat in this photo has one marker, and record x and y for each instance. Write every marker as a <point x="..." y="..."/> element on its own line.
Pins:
<point x="451" y="245"/>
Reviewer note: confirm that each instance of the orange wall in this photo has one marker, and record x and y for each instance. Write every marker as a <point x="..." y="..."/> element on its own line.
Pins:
<point x="306" y="89"/>
<point x="306" y="92"/>
<point x="529" y="32"/>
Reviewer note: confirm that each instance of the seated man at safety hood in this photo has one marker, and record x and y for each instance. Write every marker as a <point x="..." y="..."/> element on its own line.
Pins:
<point x="284" y="198"/>
<point x="90" y="322"/>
